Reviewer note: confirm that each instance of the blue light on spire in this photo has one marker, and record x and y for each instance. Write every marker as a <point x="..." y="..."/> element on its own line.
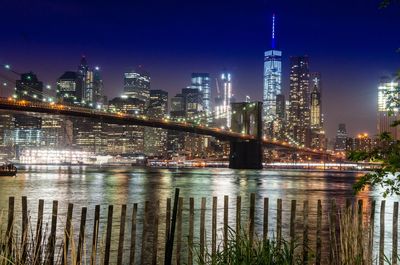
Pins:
<point x="273" y="44"/>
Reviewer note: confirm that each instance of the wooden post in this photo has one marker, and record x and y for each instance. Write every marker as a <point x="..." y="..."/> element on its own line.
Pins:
<point x="360" y="227"/>
<point x="191" y="231"/>
<point x="305" y="233"/>
<point x="81" y="236"/>
<point x="144" y="233"/>
<point x="133" y="235"/>
<point x="371" y="231"/>
<point x="332" y="229"/>
<point x="214" y="228"/>
<point x="52" y="238"/>
<point x="238" y="216"/>
<point x="279" y="223"/>
<point x="155" y="234"/>
<point x="394" y="232"/>
<point x="251" y="217"/>
<point x="179" y="232"/>
<point x="121" y="234"/>
<point x="38" y="238"/>
<point x="202" y="228"/>
<point x="96" y="224"/>
<point x="382" y="234"/>
<point x="108" y="235"/>
<point x="292" y="231"/>
<point x="265" y="221"/>
<point x="226" y="209"/>
<point x="170" y="243"/>
<point x="10" y="225"/>
<point x="167" y="220"/>
<point x="24" y="236"/>
<point x="67" y="233"/>
<point x="319" y="225"/>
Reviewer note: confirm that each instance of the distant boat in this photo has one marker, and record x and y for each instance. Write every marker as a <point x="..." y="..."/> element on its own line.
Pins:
<point x="8" y="170"/>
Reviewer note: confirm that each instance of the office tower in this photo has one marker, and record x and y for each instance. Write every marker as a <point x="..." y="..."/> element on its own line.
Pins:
<point x="299" y="97"/>
<point x="155" y="139"/>
<point x="137" y="85"/>
<point x="6" y="140"/>
<point x="272" y="83"/>
<point x="126" y="139"/>
<point x="91" y="84"/>
<point x="315" y="104"/>
<point x="201" y="82"/>
<point x="29" y="88"/>
<point x="69" y="88"/>
<point x="98" y="98"/>
<point x="175" y="144"/>
<point x="388" y="112"/>
<point x="223" y="113"/>
<point x="318" y="139"/>
<point x="192" y="101"/>
<point x="341" y="138"/>
<point x="84" y="79"/>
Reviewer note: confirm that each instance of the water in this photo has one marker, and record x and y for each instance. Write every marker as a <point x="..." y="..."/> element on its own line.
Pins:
<point x="88" y="186"/>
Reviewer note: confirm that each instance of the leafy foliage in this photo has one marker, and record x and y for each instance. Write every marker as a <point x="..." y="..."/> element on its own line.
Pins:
<point x="387" y="152"/>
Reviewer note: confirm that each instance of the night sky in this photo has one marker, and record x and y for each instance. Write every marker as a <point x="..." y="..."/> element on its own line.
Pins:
<point x="352" y="43"/>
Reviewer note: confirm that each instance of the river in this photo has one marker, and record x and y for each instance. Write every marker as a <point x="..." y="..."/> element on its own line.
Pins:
<point x="88" y="186"/>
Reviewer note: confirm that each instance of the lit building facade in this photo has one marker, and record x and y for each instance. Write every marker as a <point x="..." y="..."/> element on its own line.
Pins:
<point x="272" y="83"/>
<point x="69" y="88"/>
<point x="137" y="85"/>
<point x="223" y="112"/>
<point x="201" y="82"/>
<point x="388" y="112"/>
<point x="155" y="139"/>
<point x="299" y="98"/>
<point x="341" y="138"/>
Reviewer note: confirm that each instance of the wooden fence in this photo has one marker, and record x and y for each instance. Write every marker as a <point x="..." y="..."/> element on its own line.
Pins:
<point x="31" y="242"/>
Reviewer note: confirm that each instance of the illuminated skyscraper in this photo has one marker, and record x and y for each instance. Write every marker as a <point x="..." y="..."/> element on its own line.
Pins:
<point x="155" y="139"/>
<point x="386" y="89"/>
<point x="69" y="88"/>
<point x="223" y="102"/>
<point x="272" y="82"/>
<point x="315" y="104"/>
<point x="137" y="85"/>
<point x="201" y="81"/>
<point x="341" y="138"/>
<point x="299" y="98"/>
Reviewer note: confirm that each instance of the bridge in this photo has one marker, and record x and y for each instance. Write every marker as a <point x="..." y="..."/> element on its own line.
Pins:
<point x="246" y="148"/>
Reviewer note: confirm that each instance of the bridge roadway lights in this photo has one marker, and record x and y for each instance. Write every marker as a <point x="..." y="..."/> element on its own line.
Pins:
<point x="245" y="155"/>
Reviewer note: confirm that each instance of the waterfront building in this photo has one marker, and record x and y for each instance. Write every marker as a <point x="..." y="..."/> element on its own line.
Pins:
<point x="137" y="85"/>
<point x="272" y="83"/>
<point x="341" y="138"/>
<point x="28" y="87"/>
<point x="125" y="139"/>
<point x="155" y="139"/>
<point x="69" y="88"/>
<point x="299" y="97"/>
<point x="223" y="112"/>
<point x="201" y="82"/>
<point x="388" y="112"/>
<point x="363" y="142"/>
<point x="6" y="139"/>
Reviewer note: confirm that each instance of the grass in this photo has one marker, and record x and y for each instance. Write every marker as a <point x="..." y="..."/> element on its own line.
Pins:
<point x="241" y="250"/>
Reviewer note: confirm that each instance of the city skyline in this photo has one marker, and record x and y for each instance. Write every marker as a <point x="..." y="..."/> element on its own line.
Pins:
<point x="352" y="80"/>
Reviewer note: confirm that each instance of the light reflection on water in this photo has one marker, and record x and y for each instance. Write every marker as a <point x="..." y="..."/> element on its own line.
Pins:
<point x="86" y="186"/>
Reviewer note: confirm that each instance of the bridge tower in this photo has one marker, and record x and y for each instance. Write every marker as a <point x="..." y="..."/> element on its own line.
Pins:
<point x="246" y="119"/>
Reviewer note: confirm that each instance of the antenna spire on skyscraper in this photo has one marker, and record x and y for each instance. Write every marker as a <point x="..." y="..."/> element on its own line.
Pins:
<point x="273" y="44"/>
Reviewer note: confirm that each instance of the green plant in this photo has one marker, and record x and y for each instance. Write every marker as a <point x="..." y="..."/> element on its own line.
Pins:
<point x="241" y="250"/>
